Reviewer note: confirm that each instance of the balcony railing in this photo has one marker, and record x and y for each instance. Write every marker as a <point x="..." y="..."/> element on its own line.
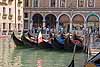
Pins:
<point x="10" y="0"/>
<point x="10" y="17"/>
<point x="4" y="16"/>
<point x="19" y="1"/>
<point x="19" y="17"/>
<point x="4" y="2"/>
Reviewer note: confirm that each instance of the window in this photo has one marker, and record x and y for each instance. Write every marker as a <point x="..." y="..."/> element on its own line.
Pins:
<point x="9" y="26"/>
<point x="25" y="15"/>
<point x="4" y="27"/>
<point x="62" y="3"/>
<point x="4" y="10"/>
<point x="9" y="11"/>
<point x="18" y="12"/>
<point x="53" y="3"/>
<point x="35" y="3"/>
<point x="26" y="4"/>
<point x="81" y="3"/>
<point x="25" y="24"/>
<point x="90" y="3"/>
<point x="18" y="26"/>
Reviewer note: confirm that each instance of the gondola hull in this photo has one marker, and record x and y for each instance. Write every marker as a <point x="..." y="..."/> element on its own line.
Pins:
<point x="69" y="45"/>
<point x="45" y="45"/>
<point x="57" y="45"/>
<point x="18" y="43"/>
<point x="27" y="42"/>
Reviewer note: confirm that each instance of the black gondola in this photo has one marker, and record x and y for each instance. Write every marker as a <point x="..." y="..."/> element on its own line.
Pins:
<point x="18" y="42"/>
<point x="28" y="42"/>
<point x="29" y="35"/>
<point x="69" y="45"/>
<point x="58" y="42"/>
<point x="43" y="44"/>
<point x="57" y="45"/>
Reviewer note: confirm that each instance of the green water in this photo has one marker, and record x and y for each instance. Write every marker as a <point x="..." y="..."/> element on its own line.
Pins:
<point x="32" y="57"/>
<point x="29" y="58"/>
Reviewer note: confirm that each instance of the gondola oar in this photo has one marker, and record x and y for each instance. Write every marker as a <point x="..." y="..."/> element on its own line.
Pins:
<point x="72" y="62"/>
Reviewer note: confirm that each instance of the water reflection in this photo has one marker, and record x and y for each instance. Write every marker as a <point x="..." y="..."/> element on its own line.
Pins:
<point x="10" y="57"/>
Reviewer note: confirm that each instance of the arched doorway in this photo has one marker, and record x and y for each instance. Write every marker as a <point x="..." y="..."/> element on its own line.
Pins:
<point x="78" y="23"/>
<point x="93" y="23"/>
<point x="50" y="21"/>
<point x="37" y="22"/>
<point x="64" y="21"/>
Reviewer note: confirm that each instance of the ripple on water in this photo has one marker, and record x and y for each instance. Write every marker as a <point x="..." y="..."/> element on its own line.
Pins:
<point x="29" y="57"/>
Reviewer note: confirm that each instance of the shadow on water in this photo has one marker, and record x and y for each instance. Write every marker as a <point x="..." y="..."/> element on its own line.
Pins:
<point x="56" y="50"/>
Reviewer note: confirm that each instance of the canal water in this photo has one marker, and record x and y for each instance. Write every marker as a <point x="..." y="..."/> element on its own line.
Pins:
<point x="10" y="57"/>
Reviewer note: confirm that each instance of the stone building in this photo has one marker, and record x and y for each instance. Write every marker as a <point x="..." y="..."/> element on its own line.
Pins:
<point x="71" y="15"/>
<point x="11" y="16"/>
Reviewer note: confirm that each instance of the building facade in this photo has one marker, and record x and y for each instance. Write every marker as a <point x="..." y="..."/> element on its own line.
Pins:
<point x="11" y="16"/>
<point x="71" y="15"/>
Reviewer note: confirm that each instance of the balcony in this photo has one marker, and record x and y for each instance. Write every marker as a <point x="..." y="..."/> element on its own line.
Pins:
<point x="10" y="17"/>
<point x="10" y="1"/>
<point x="4" y="2"/>
<point x="19" y="17"/>
<point x="4" y="16"/>
<point x="19" y="1"/>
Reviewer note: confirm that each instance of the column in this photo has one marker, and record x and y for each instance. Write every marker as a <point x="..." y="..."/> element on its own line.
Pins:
<point x="57" y="26"/>
<point x="71" y="21"/>
<point x="99" y="26"/>
<point x="71" y="25"/>
<point x="44" y="28"/>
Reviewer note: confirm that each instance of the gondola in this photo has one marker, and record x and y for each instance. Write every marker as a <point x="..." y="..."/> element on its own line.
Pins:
<point x="19" y="43"/>
<point x="69" y="44"/>
<point x="93" y="61"/>
<point x="43" y="44"/>
<point x="56" y="44"/>
<point x="28" y="42"/>
<point x="29" y="35"/>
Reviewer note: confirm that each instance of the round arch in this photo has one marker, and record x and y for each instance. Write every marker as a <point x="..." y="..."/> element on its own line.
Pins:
<point x="92" y="14"/>
<point x="93" y="17"/>
<point x="63" y="14"/>
<point x="78" y="22"/>
<point x="64" y="21"/>
<point x="50" y="20"/>
<point x="93" y="22"/>
<point x="37" y="19"/>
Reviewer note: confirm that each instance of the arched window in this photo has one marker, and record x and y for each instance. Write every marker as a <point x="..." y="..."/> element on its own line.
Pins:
<point x="26" y="3"/>
<point x="81" y="3"/>
<point x="53" y="3"/>
<point x="35" y="3"/>
<point x="62" y="3"/>
<point x="91" y="3"/>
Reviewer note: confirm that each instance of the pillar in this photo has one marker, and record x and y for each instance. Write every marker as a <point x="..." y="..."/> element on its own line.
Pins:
<point x="57" y="26"/>
<point x="71" y="25"/>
